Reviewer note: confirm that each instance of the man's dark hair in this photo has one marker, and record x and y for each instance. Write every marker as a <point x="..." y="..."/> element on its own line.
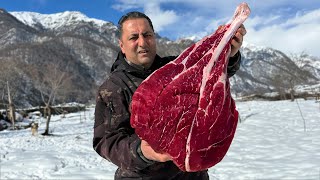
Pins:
<point x="133" y="15"/>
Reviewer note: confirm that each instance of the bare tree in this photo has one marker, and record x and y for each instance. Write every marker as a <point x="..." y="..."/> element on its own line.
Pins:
<point x="9" y="72"/>
<point x="12" y="110"/>
<point x="278" y="82"/>
<point x="51" y="81"/>
<point x="9" y="85"/>
<point x="286" y="77"/>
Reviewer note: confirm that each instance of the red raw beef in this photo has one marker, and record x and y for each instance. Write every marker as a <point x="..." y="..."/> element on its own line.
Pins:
<point x="185" y="108"/>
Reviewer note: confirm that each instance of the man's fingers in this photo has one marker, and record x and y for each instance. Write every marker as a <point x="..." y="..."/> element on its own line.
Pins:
<point x="221" y="26"/>
<point x="238" y="37"/>
<point x="149" y="153"/>
<point x="242" y="30"/>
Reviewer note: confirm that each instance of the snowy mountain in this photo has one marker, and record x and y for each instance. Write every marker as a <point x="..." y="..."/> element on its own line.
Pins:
<point x="265" y="70"/>
<point x="58" y="20"/>
<point x="309" y="63"/>
<point x="86" y="47"/>
<point x="67" y="21"/>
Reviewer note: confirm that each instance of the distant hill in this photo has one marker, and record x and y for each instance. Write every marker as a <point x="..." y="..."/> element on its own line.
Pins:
<point x="33" y="45"/>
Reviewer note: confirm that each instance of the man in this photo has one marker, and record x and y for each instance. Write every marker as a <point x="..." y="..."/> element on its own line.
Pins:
<point x="114" y="138"/>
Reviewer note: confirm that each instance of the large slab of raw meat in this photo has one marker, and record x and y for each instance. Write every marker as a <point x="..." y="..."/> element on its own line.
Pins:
<point x="185" y="108"/>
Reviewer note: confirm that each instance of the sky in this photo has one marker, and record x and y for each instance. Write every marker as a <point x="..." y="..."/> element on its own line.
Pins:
<point x="270" y="143"/>
<point x="292" y="26"/>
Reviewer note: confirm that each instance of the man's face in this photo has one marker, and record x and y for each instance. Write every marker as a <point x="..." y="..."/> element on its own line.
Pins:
<point x="138" y="42"/>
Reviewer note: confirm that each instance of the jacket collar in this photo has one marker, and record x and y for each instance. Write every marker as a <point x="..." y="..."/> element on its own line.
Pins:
<point x="121" y="64"/>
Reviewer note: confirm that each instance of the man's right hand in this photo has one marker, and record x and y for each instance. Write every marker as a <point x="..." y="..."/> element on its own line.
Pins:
<point x="150" y="154"/>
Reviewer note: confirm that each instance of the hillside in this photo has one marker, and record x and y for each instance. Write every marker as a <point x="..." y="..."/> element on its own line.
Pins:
<point x="38" y="47"/>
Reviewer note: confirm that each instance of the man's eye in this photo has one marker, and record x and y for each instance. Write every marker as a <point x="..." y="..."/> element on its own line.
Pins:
<point x="133" y="38"/>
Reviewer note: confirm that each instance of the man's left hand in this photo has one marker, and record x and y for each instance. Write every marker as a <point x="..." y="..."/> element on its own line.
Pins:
<point x="237" y="40"/>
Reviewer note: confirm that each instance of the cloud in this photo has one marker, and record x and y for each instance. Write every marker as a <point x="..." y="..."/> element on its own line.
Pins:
<point x="296" y="35"/>
<point x="125" y="5"/>
<point x="160" y="18"/>
<point x="39" y="2"/>
<point x="280" y="24"/>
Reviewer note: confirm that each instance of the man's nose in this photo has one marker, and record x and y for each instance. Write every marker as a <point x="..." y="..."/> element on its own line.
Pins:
<point x="142" y="41"/>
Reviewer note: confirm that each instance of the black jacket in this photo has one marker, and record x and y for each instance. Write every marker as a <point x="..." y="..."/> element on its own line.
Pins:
<point x="114" y="138"/>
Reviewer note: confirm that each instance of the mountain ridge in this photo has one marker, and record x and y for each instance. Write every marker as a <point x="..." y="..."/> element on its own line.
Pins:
<point x="89" y="46"/>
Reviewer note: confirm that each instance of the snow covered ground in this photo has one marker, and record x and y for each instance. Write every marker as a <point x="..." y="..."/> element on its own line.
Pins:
<point x="270" y="143"/>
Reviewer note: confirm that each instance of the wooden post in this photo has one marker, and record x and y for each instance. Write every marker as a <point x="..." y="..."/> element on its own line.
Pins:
<point x="48" y="116"/>
<point x="12" y="114"/>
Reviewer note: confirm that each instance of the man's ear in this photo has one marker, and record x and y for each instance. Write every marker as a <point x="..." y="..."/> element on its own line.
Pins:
<point x="121" y="45"/>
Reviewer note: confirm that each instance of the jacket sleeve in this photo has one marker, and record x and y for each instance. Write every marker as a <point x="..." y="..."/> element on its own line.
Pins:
<point x="234" y="64"/>
<point x="114" y="139"/>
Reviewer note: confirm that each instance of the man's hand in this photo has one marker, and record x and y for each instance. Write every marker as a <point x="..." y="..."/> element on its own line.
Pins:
<point x="237" y="40"/>
<point x="150" y="154"/>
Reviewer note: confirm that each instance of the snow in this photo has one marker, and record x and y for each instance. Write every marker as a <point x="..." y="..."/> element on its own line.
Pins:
<point x="253" y="47"/>
<point x="57" y="20"/>
<point x="270" y="143"/>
